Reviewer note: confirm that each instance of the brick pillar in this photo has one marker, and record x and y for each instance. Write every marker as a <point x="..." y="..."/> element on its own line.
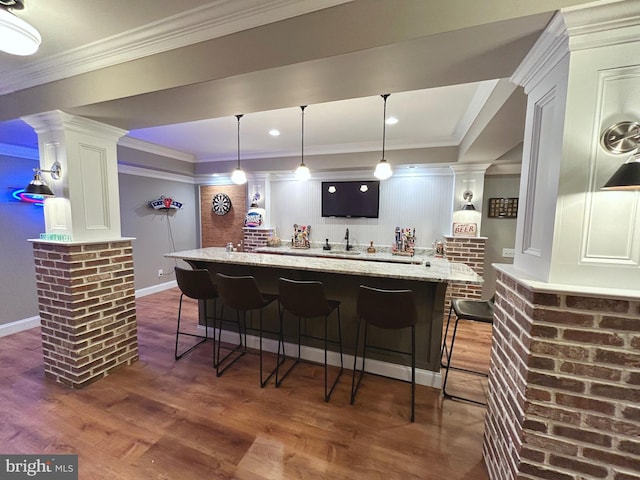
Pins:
<point x="87" y="309"/>
<point x="255" y="238"/>
<point x="564" y="385"/>
<point x="468" y="250"/>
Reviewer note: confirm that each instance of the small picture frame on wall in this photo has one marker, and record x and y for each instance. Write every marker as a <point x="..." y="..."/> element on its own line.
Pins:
<point x="503" y="208"/>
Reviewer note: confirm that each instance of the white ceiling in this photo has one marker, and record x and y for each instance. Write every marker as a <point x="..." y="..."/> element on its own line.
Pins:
<point x="175" y="73"/>
<point x="426" y="118"/>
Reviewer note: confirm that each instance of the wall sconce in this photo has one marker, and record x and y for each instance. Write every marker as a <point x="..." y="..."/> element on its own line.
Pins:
<point x="37" y="186"/>
<point x="467" y="196"/>
<point x="623" y="137"/>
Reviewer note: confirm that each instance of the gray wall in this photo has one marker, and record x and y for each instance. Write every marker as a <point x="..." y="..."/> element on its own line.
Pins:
<point x="19" y="222"/>
<point x="501" y="232"/>
<point x="157" y="232"/>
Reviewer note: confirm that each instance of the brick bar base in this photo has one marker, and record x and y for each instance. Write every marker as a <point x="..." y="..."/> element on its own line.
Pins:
<point x="564" y="386"/>
<point x="87" y="309"/>
<point x="255" y="238"/>
<point x="468" y="250"/>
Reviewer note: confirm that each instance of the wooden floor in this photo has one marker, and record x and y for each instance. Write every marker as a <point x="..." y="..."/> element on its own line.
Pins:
<point x="162" y="419"/>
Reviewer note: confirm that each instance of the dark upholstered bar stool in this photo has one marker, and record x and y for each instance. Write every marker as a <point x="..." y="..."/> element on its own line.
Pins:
<point x="470" y="310"/>
<point x="196" y="284"/>
<point x="390" y="310"/>
<point x="307" y="300"/>
<point x="242" y="294"/>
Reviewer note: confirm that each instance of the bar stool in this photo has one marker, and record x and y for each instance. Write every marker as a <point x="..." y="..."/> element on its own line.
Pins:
<point x="242" y="294"/>
<point x="307" y="299"/>
<point x="196" y="284"/>
<point x="471" y="310"/>
<point x="390" y="310"/>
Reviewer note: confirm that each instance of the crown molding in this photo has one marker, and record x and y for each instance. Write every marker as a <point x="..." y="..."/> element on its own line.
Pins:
<point x="479" y="100"/>
<point x="213" y="20"/>
<point x="8" y="150"/>
<point x="603" y="23"/>
<point x="158" y="174"/>
<point x="548" y="51"/>
<point x="155" y="149"/>
<point x="459" y="168"/>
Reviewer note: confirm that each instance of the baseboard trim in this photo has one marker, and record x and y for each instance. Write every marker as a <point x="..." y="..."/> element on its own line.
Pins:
<point x="143" y="292"/>
<point x="400" y="372"/>
<point x="19" y="326"/>
<point x="33" y="322"/>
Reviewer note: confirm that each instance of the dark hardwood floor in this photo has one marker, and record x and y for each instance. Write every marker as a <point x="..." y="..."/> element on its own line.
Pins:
<point x="162" y="419"/>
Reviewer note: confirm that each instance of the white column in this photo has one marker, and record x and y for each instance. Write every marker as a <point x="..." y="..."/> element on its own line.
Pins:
<point x="86" y="205"/>
<point x="468" y="178"/>
<point x="582" y="76"/>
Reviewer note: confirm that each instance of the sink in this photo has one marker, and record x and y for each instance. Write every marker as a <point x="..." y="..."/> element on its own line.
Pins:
<point x="340" y="252"/>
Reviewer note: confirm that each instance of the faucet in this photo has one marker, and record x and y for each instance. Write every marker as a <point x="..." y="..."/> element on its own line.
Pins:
<point x="346" y="237"/>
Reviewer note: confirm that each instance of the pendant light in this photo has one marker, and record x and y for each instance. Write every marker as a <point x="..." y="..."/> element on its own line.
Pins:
<point x="238" y="176"/>
<point x="302" y="173"/>
<point x="17" y="37"/>
<point x="383" y="169"/>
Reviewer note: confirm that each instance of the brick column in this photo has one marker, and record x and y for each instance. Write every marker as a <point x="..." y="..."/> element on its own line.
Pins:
<point x="564" y="385"/>
<point x="87" y="309"/>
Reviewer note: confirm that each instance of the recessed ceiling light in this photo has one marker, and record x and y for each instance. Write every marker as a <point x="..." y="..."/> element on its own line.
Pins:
<point x="391" y="120"/>
<point x="274" y="132"/>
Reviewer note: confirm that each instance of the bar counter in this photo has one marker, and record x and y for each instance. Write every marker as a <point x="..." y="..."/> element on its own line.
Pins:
<point x="341" y="277"/>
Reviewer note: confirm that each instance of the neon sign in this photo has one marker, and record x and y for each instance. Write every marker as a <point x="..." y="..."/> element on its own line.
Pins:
<point x="21" y="196"/>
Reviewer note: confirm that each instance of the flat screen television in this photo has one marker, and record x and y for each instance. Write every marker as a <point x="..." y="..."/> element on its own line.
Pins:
<point x="351" y="199"/>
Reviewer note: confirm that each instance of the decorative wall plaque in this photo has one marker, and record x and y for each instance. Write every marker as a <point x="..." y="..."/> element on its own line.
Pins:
<point x="503" y="208"/>
<point x="465" y="229"/>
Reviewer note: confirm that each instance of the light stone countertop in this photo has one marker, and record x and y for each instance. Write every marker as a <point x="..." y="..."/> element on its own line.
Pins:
<point x="384" y="265"/>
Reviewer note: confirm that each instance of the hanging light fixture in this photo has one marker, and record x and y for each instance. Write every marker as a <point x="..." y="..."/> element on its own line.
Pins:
<point x="238" y="176"/>
<point x="302" y="172"/>
<point x="383" y="169"/>
<point x="17" y="37"/>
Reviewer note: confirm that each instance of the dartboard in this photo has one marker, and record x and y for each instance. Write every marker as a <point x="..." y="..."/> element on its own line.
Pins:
<point x="221" y="204"/>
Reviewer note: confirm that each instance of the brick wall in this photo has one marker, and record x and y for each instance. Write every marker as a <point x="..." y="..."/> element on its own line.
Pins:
<point x="256" y="237"/>
<point x="218" y="230"/>
<point x="564" y="389"/>
<point x="87" y="309"/>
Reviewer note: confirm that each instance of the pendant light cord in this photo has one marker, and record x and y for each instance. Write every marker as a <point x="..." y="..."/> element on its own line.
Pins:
<point x="384" y="122"/>
<point x="302" y="107"/>
<point x="239" y="117"/>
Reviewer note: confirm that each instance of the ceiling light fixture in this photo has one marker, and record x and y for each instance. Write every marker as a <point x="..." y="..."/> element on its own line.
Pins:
<point x="37" y="186"/>
<point x="17" y="37"/>
<point x="623" y="137"/>
<point x="383" y="169"/>
<point x="391" y="121"/>
<point x="238" y="176"/>
<point x="274" y="132"/>
<point x="302" y="172"/>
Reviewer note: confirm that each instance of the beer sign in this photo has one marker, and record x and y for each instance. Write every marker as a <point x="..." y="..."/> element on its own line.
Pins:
<point x="465" y="229"/>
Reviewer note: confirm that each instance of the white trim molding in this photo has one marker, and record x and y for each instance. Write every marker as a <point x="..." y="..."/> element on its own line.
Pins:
<point x="212" y="20"/>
